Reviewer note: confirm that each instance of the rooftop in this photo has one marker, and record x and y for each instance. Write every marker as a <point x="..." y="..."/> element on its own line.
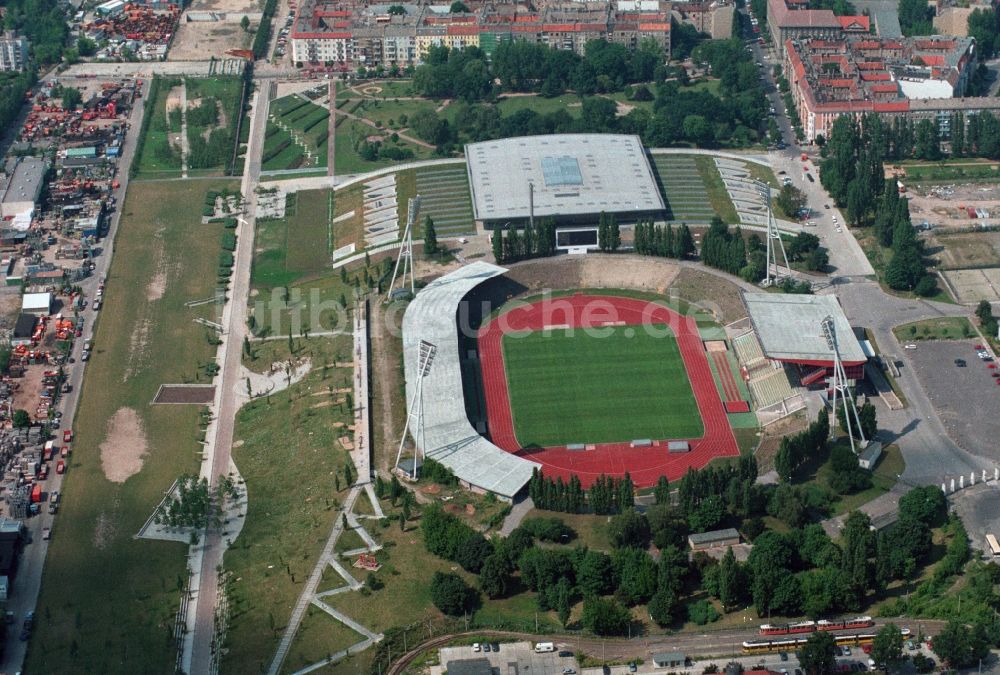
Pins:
<point x="25" y="179"/>
<point x="870" y="73"/>
<point x="450" y="437"/>
<point x="714" y="535"/>
<point x="572" y="174"/>
<point x="789" y="327"/>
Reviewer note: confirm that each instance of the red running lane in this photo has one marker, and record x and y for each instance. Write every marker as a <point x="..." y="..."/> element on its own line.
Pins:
<point x="729" y="387"/>
<point x="645" y="465"/>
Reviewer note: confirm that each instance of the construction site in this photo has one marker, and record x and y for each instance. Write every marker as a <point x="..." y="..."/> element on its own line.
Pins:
<point x="130" y="31"/>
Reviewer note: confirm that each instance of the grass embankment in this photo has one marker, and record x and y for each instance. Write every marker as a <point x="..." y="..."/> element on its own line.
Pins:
<point x="286" y="446"/>
<point x="569" y="387"/>
<point x="943" y="328"/>
<point x="108" y="600"/>
<point x="296" y="136"/>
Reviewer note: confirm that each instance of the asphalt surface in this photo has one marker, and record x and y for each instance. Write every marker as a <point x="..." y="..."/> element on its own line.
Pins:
<point x="23" y="593"/>
<point x="235" y="328"/>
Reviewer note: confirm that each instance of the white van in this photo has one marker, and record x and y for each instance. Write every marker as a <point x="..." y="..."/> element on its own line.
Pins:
<point x="543" y="647"/>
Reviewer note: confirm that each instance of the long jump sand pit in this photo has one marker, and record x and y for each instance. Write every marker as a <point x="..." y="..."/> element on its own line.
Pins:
<point x="124" y="447"/>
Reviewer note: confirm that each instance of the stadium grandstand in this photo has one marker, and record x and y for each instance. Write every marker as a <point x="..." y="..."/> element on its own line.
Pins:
<point x="789" y="330"/>
<point x="572" y="178"/>
<point x="448" y="435"/>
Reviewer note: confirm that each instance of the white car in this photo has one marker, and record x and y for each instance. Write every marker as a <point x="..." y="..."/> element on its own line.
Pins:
<point x="476" y="647"/>
<point x="909" y="346"/>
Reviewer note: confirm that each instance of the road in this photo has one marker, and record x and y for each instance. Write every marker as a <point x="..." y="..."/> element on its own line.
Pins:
<point x="234" y="322"/>
<point x="847" y="259"/>
<point x="23" y="593"/>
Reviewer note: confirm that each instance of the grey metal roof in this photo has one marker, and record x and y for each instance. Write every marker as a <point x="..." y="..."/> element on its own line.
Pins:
<point x="789" y="327"/>
<point x="572" y="174"/>
<point x="714" y="535"/>
<point x="26" y="174"/>
<point x="449" y="435"/>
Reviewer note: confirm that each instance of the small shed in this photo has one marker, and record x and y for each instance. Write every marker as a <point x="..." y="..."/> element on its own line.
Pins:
<point x="24" y="329"/>
<point x="714" y="539"/>
<point x="868" y="458"/>
<point x="39" y="304"/>
<point x="669" y="660"/>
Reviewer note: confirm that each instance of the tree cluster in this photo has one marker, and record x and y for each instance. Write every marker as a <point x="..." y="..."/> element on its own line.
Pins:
<point x="723" y="249"/>
<point x="43" y="22"/>
<point x="853" y="174"/>
<point x="452" y="595"/>
<point x="805" y="247"/>
<point x="796" y="449"/>
<point x="988" y="322"/>
<point x="915" y="17"/>
<point x="448" y="537"/>
<point x="512" y="245"/>
<point x="662" y="241"/>
<point x="984" y="26"/>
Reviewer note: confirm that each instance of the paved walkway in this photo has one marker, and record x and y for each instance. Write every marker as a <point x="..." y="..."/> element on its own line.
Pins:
<point x="200" y="650"/>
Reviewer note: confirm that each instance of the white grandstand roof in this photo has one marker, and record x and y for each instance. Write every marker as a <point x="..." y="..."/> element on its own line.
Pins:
<point x="789" y="327"/>
<point x="450" y="437"/>
<point x="572" y="174"/>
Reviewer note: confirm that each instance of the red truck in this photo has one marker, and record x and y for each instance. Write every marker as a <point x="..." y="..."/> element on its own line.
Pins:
<point x="61" y="466"/>
<point x="66" y="449"/>
<point x="36" y="494"/>
<point x="67" y="435"/>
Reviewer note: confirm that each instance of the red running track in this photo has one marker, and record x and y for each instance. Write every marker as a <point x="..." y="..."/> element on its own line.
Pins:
<point x="645" y="465"/>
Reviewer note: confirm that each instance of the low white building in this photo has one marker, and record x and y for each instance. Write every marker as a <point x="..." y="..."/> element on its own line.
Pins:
<point x="39" y="304"/>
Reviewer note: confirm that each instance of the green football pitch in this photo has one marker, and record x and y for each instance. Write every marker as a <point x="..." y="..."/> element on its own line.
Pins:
<point x="568" y="387"/>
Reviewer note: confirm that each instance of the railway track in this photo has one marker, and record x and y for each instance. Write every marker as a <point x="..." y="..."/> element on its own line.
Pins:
<point x="716" y="644"/>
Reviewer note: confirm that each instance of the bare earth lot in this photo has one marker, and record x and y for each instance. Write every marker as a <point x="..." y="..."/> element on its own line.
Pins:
<point x="966" y="398"/>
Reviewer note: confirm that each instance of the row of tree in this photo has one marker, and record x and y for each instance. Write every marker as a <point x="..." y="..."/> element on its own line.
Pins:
<point x="512" y="245"/>
<point x="605" y="496"/>
<point x="797" y="448"/>
<point x="663" y="241"/>
<point x="609" y="233"/>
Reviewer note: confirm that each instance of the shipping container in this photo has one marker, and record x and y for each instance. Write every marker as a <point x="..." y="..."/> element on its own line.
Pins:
<point x="36" y="493"/>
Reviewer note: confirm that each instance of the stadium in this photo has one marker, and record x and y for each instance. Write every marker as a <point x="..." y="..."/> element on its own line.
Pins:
<point x="592" y="382"/>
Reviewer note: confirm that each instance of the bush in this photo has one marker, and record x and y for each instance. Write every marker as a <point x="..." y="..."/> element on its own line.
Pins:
<point x="228" y="241"/>
<point x="549" y="529"/>
<point x="604" y="616"/>
<point x="702" y="612"/>
<point x="452" y="595"/>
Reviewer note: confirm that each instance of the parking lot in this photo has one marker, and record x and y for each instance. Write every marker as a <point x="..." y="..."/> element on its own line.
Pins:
<point x="520" y="653"/>
<point x="966" y="398"/>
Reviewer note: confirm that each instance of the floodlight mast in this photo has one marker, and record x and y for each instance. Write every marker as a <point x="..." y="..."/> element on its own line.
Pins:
<point x="774" y="243"/>
<point x="415" y="411"/>
<point x="841" y="388"/>
<point x="404" y="263"/>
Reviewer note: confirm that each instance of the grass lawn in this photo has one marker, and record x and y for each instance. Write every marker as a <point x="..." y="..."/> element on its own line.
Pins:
<point x="568" y="387"/>
<point x="319" y="636"/>
<point x="107" y="596"/>
<point x="296" y="134"/>
<point x="297" y="245"/>
<point x="388" y="113"/>
<point x="569" y="103"/>
<point x="591" y="530"/>
<point x="943" y="328"/>
<point x="287" y="450"/>
<point x="718" y="196"/>
<point x="347" y="160"/>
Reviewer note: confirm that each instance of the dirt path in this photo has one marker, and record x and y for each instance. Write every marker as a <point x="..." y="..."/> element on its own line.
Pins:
<point x="124" y="446"/>
<point x="388" y="386"/>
